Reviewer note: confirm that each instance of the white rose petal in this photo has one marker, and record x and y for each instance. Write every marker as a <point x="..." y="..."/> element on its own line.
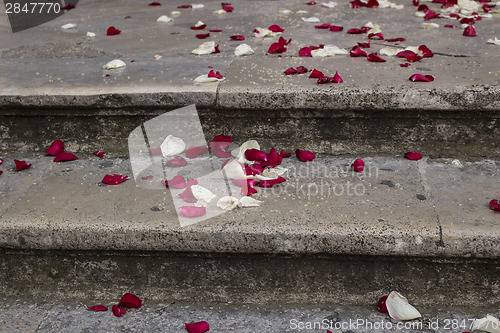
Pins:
<point x="90" y="34"/>
<point x="164" y="19"/>
<point x="249" y="202"/>
<point x="469" y="5"/>
<point x="487" y="324"/>
<point x="68" y="26"/>
<point x="202" y="194"/>
<point x="228" y="203"/>
<point x="487" y="15"/>
<point x="250" y="144"/>
<point x="206" y="79"/>
<point x="199" y="24"/>
<point x="414" y="49"/>
<point x="220" y="12"/>
<point x="369" y="25"/>
<point x="205" y="48"/>
<point x="233" y="170"/>
<point x="113" y="64"/>
<point x="328" y="51"/>
<point x="495" y="41"/>
<point x="158" y="57"/>
<point x="329" y="4"/>
<point x="197" y="6"/>
<point x="419" y="14"/>
<point x="285" y="11"/>
<point x="263" y="32"/>
<point x="242" y="50"/>
<point x="399" y="308"/>
<point x="279" y="170"/>
<point x="175" y="13"/>
<point x="311" y="19"/>
<point x="389" y="51"/>
<point x="429" y="25"/>
<point x="300" y="12"/>
<point x="172" y="146"/>
<point x="457" y="163"/>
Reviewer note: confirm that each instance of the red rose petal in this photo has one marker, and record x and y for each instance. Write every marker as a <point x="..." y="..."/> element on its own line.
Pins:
<point x="199" y="327"/>
<point x="426" y="51"/>
<point x="450" y="26"/>
<point x="1" y="172"/>
<point x="276" y="28"/>
<point x="337" y="78"/>
<point x="291" y="71"/>
<point x="381" y="304"/>
<point x="356" y="31"/>
<point x="228" y="9"/>
<point x="336" y="28"/>
<point x="305" y="52"/>
<point x="99" y="153"/>
<point x="176" y="162"/>
<point x="406" y="53"/>
<point x="495" y="205"/>
<point x="284" y="155"/>
<point x="118" y="312"/>
<point x="177" y="182"/>
<point x="271" y="182"/>
<point x="276" y="48"/>
<point x="358" y="165"/>
<point x="21" y="165"/>
<point x="185" y="6"/>
<point x="304" y="155"/>
<point x="65" y="157"/>
<point x="373" y="57"/>
<point x="404" y="65"/>
<point x="113" y="31"/>
<point x="237" y="37"/>
<point x="413" y="155"/>
<point x="219" y="144"/>
<point x="246" y="191"/>
<point x="421" y="78"/>
<point x="430" y="14"/>
<point x="274" y="158"/>
<point x="376" y="36"/>
<point x="114" y="179"/>
<point x="128" y="17"/>
<point x="203" y="26"/>
<point x="215" y="30"/>
<point x="311" y="3"/>
<point x="316" y="74"/>
<point x="203" y="36"/>
<point x="216" y="49"/>
<point x="364" y="45"/>
<point x="413" y="58"/>
<point x="154" y="4"/>
<point x="399" y="39"/>
<point x="301" y="70"/>
<point x="244" y="182"/>
<point x="192" y="211"/>
<point x="324" y="80"/>
<point x="323" y="26"/>
<point x="194" y="151"/>
<point x="55" y="148"/>
<point x="97" y="308"/>
<point x="356" y="51"/>
<point x="1" y="161"/>
<point x="217" y="74"/>
<point x="130" y="301"/>
<point x="252" y="170"/>
<point x="256" y="155"/>
<point x="422" y="8"/>
<point x="282" y="41"/>
<point x="470" y="31"/>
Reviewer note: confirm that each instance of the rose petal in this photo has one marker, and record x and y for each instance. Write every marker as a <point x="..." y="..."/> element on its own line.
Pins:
<point x="228" y="9"/>
<point x="421" y="78"/>
<point x="427" y="53"/>
<point x="147" y="177"/>
<point x="56" y="148"/>
<point x="323" y="26"/>
<point x="65" y="157"/>
<point x="381" y="304"/>
<point x="301" y="70"/>
<point x="357" y="52"/>
<point x="199" y="327"/>
<point x="364" y="45"/>
<point x="336" y="28"/>
<point x="399" y="308"/>
<point x="185" y="6"/>
<point x="413" y="58"/>
<point x="192" y="211"/>
<point x="99" y="153"/>
<point x="114" y="179"/>
<point x="430" y="14"/>
<point x="219" y="144"/>
<point x="376" y="36"/>
<point x="1" y="161"/>
<point x="271" y="182"/>
<point x="187" y="195"/>
<point x="373" y="57"/>
<point x="337" y="78"/>
<point x="404" y="65"/>
<point x="97" y="308"/>
<point x="114" y="64"/>
<point x="128" y="17"/>
<point x="470" y="31"/>
<point x="1" y="172"/>
<point x="249" y="202"/>
<point x="495" y="205"/>
<point x="203" y="36"/>
<point x="276" y="28"/>
<point x="358" y="165"/>
<point x="228" y="203"/>
<point x="194" y="151"/>
<point x="217" y="74"/>
<point x="276" y="48"/>
<point x="237" y="37"/>
<point x="113" y="31"/>
<point x="215" y="30"/>
<point x="399" y="39"/>
<point x="311" y="3"/>
<point x="252" y="170"/>
<point x="305" y="52"/>
<point x="450" y="26"/>
<point x="202" y="194"/>
<point x="291" y="71"/>
<point x="247" y="191"/>
<point x="284" y="155"/>
<point x="154" y="4"/>
<point x="256" y="155"/>
<point x="176" y="162"/>
<point x="177" y="182"/>
<point x="413" y="155"/>
<point x="130" y="301"/>
<point x="21" y="165"/>
<point x="274" y="158"/>
<point x="316" y="74"/>
<point x="304" y="155"/>
<point x="118" y="312"/>
<point x="68" y="7"/>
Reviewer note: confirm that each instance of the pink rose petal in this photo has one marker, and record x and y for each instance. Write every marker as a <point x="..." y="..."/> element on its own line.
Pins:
<point x="194" y="151"/>
<point x="276" y="28"/>
<point x="421" y="78"/>
<point x="199" y="327"/>
<point x="129" y="300"/>
<point x="247" y="191"/>
<point x="97" y="308"/>
<point x="65" y="157"/>
<point x="118" y="312"/>
<point x="373" y="57"/>
<point x="203" y="36"/>
<point x="177" y="182"/>
<point x="113" y="31"/>
<point x="356" y="51"/>
<point x="192" y="211"/>
<point x="114" y="179"/>
<point x="358" y="165"/>
<point x="56" y="148"/>
<point x="237" y="37"/>
<point x="470" y="31"/>
<point x="147" y="177"/>
<point x="191" y="182"/>
<point x="99" y="153"/>
<point x="1" y="161"/>
<point x="274" y="158"/>
<point x="21" y="165"/>
<point x="495" y="205"/>
<point x="304" y="155"/>
<point x="219" y="144"/>
<point x="176" y="162"/>
<point x="413" y="155"/>
<point x="271" y="182"/>
<point x="187" y="195"/>
<point x="336" y="28"/>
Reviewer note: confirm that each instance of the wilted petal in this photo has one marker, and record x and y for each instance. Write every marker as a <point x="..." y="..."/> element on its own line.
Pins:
<point x="65" y="157"/>
<point x="199" y="327"/>
<point x="271" y="182"/>
<point x="336" y="28"/>
<point x="470" y="31"/>
<point x="373" y="57"/>
<point x="97" y="308"/>
<point x="357" y="52"/>
<point x="113" y="31"/>
<point x="364" y="45"/>
<point x="219" y="144"/>
<point x="399" y="308"/>
<point x="304" y="155"/>
<point x="172" y="146"/>
<point x="194" y="151"/>
<point x="176" y="162"/>
<point x="228" y="203"/>
<point x="495" y="205"/>
<point x="413" y="155"/>
<point x="21" y="165"/>
<point x="56" y="148"/>
<point x="421" y="78"/>
<point x="358" y="165"/>
<point x="118" y="312"/>
<point x="381" y="304"/>
<point x="130" y="301"/>
<point x="177" y="182"/>
<point x="249" y="202"/>
<point x="114" y="179"/>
